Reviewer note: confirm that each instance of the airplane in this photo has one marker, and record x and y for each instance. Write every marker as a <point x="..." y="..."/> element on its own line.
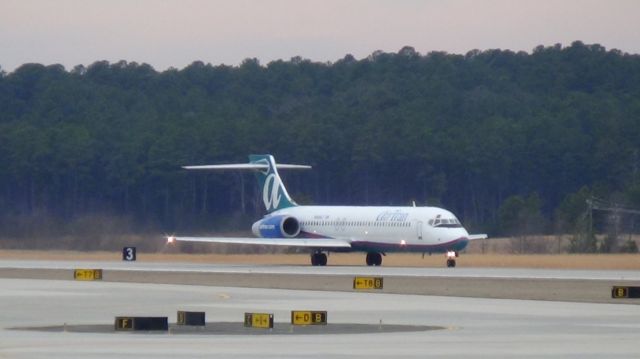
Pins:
<point x="375" y="231"/>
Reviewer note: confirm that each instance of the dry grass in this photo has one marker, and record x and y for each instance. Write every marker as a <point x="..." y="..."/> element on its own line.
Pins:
<point x="560" y="261"/>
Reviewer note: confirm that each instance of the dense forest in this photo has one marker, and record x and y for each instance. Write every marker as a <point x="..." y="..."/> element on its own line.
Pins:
<point x="512" y="142"/>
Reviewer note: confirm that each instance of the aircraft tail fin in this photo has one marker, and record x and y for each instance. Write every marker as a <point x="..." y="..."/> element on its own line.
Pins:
<point x="274" y="194"/>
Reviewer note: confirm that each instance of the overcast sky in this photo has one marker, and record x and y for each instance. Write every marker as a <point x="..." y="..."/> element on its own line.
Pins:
<point x="174" y="33"/>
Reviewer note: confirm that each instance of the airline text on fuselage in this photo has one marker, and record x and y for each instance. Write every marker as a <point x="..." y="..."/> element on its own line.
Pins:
<point x="392" y="216"/>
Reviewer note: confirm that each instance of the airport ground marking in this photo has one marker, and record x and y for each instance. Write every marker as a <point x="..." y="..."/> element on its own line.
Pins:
<point x="129" y="254"/>
<point x="308" y="317"/>
<point x="258" y="320"/>
<point x="191" y="318"/>
<point x="87" y="274"/>
<point x="623" y="292"/>
<point x="368" y="283"/>
<point x="141" y="323"/>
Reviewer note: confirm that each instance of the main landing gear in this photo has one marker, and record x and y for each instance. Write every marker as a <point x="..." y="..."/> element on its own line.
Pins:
<point x="374" y="259"/>
<point x="451" y="259"/>
<point x="318" y="259"/>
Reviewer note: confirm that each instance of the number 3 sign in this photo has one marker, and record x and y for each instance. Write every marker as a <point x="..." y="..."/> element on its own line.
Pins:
<point x="129" y="254"/>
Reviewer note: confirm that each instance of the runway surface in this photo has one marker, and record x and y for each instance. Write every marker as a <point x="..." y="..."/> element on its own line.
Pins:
<point x="43" y="294"/>
<point x="474" y="327"/>
<point x="529" y="284"/>
<point x="459" y="272"/>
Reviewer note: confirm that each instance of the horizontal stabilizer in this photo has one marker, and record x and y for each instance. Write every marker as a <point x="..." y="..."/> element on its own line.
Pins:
<point x="477" y="236"/>
<point x="247" y="166"/>
<point x="287" y="242"/>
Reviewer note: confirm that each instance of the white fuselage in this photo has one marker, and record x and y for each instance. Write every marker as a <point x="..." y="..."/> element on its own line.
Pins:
<point x="382" y="229"/>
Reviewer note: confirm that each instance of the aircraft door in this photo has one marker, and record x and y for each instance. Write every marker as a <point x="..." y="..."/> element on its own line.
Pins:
<point x="419" y="229"/>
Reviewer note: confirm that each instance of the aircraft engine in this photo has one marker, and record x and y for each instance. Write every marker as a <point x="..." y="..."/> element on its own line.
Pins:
<point x="276" y="227"/>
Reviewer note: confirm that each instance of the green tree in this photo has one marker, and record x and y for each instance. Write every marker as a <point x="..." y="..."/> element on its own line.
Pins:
<point x="522" y="218"/>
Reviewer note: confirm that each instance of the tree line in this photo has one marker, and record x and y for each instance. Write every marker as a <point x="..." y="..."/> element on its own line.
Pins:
<point x="509" y="141"/>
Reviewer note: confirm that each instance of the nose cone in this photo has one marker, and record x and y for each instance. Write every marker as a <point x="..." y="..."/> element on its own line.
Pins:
<point x="457" y="233"/>
<point x="255" y="229"/>
<point x="458" y="238"/>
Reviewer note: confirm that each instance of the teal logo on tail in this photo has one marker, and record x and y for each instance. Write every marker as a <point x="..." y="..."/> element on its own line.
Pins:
<point x="274" y="194"/>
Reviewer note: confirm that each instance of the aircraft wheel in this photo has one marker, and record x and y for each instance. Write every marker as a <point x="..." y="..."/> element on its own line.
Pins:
<point x="322" y="259"/>
<point x="370" y="259"/>
<point x="318" y="259"/>
<point x="374" y="259"/>
<point x="451" y="263"/>
<point x="378" y="259"/>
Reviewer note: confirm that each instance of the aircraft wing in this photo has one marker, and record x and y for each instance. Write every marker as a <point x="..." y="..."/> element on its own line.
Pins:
<point x="477" y="236"/>
<point x="286" y="242"/>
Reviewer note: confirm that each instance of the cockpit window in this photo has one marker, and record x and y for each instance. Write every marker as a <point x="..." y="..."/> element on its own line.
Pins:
<point x="445" y="222"/>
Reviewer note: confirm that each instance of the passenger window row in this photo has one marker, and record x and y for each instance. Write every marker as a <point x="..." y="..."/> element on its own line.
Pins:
<point x="356" y="223"/>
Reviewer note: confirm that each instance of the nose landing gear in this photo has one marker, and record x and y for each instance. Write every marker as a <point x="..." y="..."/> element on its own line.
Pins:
<point x="451" y="259"/>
